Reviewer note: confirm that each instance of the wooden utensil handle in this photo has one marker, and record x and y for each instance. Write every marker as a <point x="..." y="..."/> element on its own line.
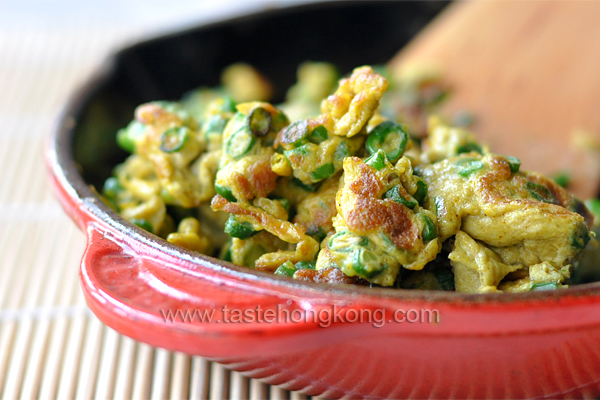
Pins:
<point x="530" y="73"/>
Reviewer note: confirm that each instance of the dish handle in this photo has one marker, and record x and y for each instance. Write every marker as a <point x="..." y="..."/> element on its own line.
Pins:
<point x="193" y="307"/>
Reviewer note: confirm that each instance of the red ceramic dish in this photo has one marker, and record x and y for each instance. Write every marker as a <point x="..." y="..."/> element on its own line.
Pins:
<point x="303" y="336"/>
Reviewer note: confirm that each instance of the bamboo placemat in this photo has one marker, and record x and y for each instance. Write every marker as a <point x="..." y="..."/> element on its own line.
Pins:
<point x="51" y="345"/>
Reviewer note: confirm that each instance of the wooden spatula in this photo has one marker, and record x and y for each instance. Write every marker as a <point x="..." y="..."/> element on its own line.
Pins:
<point x="530" y="73"/>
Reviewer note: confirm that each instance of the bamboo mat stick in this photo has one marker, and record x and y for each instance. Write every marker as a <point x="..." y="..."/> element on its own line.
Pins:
<point x="124" y="378"/>
<point x="31" y="296"/>
<point x="51" y="368"/>
<point x="74" y="343"/>
<point x="277" y="393"/>
<point x="200" y="378"/>
<point x="143" y="372"/>
<point x="108" y="362"/>
<point x="88" y="370"/>
<point x="12" y="177"/>
<point x="258" y="390"/>
<point x="160" y="375"/>
<point x="20" y="350"/>
<point x="298" y="396"/>
<point x="219" y="382"/>
<point x="60" y="326"/>
<point x="38" y="350"/>
<point x="26" y="175"/>
<point x="239" y="386"/>
<point x="48" y="296"/>
<point x="70" y="364"/>
<point x="180" y="377"/>
<point x="17" y="349"/>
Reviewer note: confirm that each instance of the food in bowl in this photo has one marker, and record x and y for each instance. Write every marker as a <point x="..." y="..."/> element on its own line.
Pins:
<point x="356" y="181"/>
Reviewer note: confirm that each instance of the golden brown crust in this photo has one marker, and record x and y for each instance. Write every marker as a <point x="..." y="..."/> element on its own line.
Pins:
<point x="371" y="214"/>
<point x="306" y="246"/>
<point x="330" y="275"/>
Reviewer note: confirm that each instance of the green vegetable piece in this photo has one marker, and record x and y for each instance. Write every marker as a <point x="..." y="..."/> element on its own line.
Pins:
<point x="259" y="122"/>
<point x="514" y="163"/>
<point x="580" y="240"/>
<point x="594" y="206"/>
<point x="302" y="150"/>
<point x="295" y="134"/>
<point x="225" y="192"/>
<point x="540" y="192"/>
<point x="240" y="144"/>
<point x="468" y="166"/>
<point x="539" y="287"/>
<point x="377" y="160"/>
<point x="305" y="265"/>
<point x="444" y="277"/>
<point x="308" y="187"/>
<point x="421" y="191"/>
<point x="337" y="235"/>
<point x="127" y="138"/>
<point x="112" y="187"/>
<point x="237" y="229"/>
<point x="279" y="121"/>
<point x="394" y="194"/>
<point x="562" y="179"/>
<point x="341" y="152"/>
<point x="173" y="139"/>
<point x="389" y="137"/>
<point x="469" y="147"/>
<point x="285" y="203"/>
<point x="323" y="172"/>
<point x="227" y="255"/>
<point x="142" y="223"/>
<point x="430" y="230"/>
<point x="319" y="134"/>
<point x="286" y="269"/>
<point x="228" y="105"/>
<point x="317" y="233"/>
<point x="366" y="264"/>
<point x="215" y="124"/>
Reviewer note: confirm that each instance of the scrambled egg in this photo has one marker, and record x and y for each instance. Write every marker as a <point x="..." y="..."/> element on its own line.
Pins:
<point x="358" y="184"/>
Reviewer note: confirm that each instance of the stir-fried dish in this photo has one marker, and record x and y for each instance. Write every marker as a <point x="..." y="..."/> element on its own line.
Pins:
<point x="353" y="180"/>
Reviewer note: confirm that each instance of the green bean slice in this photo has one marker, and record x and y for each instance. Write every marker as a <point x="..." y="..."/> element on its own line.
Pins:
<point x="259" y="122"/>
<point x="539" y="287"/>
<point x="128" y="137"/>
<point x="514" y="163"/>
<point x="112" y="187"/>
<point x="389" y="137"/>
<point x="540" y="192"/>
<point x="237" y="229"/>
<point x="319" y="134"/>
<point x="430" y="230"/>
<point x="295" y="134"/>
<point x="563" y="179"/>
<point x="286" y="269"/>
<point x="377" y="160"/>
<point x="225" y="192"/>
<point x="240" y="144"/>
<point x="469" y="147"/>
<point x="305" y="265"/>
<point x="366" y="264"/>
<point x="394" y="194"/>
<point x="173" y="140"/>
<point x="421" y="192"/>
<point x="468" y="166"/>
<point x="323" y="172"/>
<point x="142" y="223"/>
